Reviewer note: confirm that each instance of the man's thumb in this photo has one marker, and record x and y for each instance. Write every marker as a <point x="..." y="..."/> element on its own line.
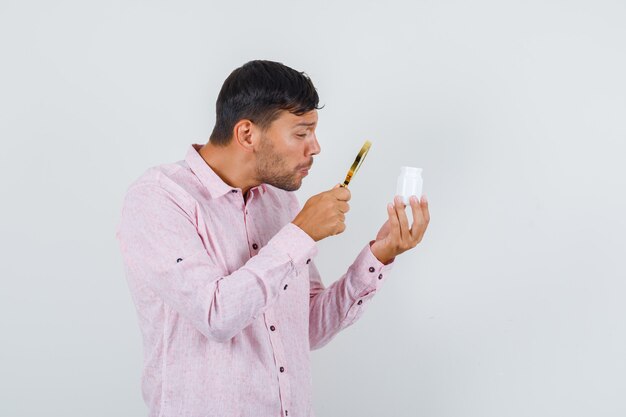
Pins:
<point x="336" y="186"/>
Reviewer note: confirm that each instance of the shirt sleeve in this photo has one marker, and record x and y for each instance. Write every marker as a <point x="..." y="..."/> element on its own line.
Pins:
<point x="163" y="251"/>
<point x="334" y="308"/>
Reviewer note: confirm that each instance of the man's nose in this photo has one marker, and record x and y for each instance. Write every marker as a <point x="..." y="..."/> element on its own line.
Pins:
<point x="314" y="147"/>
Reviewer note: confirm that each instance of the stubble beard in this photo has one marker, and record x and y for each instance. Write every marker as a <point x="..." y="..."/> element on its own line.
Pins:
<point x="272" y="168"/>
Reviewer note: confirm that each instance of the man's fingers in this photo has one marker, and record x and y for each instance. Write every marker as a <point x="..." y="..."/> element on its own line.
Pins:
<point x="394" y="223"/>
<point x="418" y="218"/>
<point x="341" y="193"/>
<point x="404" y="221"/>
<point x="425" y="210"/>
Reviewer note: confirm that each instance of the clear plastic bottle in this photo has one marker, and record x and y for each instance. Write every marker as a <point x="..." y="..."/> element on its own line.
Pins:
<point x="409" y="183"/>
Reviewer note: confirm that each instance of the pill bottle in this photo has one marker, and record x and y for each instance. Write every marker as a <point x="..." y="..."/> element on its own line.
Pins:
<point x="409" y="183"/>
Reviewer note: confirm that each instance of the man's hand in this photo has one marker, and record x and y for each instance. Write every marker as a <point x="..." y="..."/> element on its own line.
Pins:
<point x="324" y="214"/>
<point x="395" y="237"/>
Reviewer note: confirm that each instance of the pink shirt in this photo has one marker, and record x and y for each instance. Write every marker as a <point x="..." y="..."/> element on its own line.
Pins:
<point x="229" y="300"/>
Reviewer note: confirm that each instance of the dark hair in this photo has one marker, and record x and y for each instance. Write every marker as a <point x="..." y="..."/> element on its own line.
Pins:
<point x="258" y="91"/>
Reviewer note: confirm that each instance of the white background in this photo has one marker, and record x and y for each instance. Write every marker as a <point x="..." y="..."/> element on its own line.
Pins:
<point x="512" y="305"/>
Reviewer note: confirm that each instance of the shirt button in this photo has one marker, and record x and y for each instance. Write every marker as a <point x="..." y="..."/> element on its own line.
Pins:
<point x="255" y="246"/>
<point x="285" y="287"/>
<point x="272" y="328"/>
<point x="286" y="412"/>
<point x="308" y="261"/>
<point x="360" y="302"/>
<point x="372" y="269"/>
<point x="179" y="260"/>
<point x="282" y="369"/>
<point x="233" y="191"/>
<point x="380" y="276"/>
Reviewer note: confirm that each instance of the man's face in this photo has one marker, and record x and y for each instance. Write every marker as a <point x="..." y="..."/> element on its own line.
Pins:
<point x="286" y="150"/>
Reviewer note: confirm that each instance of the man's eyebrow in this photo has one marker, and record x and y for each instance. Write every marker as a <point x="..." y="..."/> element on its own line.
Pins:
<point x="305" y="124"/>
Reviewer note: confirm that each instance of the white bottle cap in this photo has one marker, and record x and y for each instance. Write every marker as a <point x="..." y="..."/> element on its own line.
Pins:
<point x="410" y="171"/>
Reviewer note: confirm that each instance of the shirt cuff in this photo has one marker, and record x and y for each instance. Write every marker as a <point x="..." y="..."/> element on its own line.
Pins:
<point x="369" y="271"/>
<point x="296" y="243"/>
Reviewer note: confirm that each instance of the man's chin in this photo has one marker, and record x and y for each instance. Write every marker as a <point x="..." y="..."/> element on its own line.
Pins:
<point x="291" y="186"/>
<point x="294" y="186"/>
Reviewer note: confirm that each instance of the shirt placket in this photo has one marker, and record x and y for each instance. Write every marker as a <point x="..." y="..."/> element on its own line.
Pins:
<point x="284" y="387"/>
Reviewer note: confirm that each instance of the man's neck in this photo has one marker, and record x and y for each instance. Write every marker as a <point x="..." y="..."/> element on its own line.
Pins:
<point x="231" y="166"/>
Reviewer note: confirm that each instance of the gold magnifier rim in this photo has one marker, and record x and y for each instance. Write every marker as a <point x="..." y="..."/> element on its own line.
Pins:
<point x="357" y="162"/>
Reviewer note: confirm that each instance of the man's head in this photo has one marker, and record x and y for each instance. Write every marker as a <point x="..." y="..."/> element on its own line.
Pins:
<point x="271" y="111"/>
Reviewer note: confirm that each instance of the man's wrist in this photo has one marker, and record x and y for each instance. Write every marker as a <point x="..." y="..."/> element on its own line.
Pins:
<point x="382" y="257"/>
<point x="296" y="223"/>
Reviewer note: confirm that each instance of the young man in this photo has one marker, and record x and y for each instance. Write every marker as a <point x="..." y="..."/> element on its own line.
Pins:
<point x="219" y="257"/>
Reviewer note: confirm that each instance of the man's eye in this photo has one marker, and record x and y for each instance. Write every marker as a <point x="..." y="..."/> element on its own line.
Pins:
<point x="301" y="135"/>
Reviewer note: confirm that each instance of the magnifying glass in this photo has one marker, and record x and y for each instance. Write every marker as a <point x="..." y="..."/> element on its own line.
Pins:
<point x="357" y="163"/>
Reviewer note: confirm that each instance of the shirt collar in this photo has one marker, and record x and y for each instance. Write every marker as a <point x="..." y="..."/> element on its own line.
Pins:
<point x="216" y="186"/>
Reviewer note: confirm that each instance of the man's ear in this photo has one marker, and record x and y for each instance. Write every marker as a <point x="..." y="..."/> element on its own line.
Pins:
<point x="243" y="133"/>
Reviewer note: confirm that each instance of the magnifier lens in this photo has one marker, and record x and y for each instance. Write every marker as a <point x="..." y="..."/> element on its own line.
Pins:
<point x="359" y="165"/>
<point x="357" y="162"/>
